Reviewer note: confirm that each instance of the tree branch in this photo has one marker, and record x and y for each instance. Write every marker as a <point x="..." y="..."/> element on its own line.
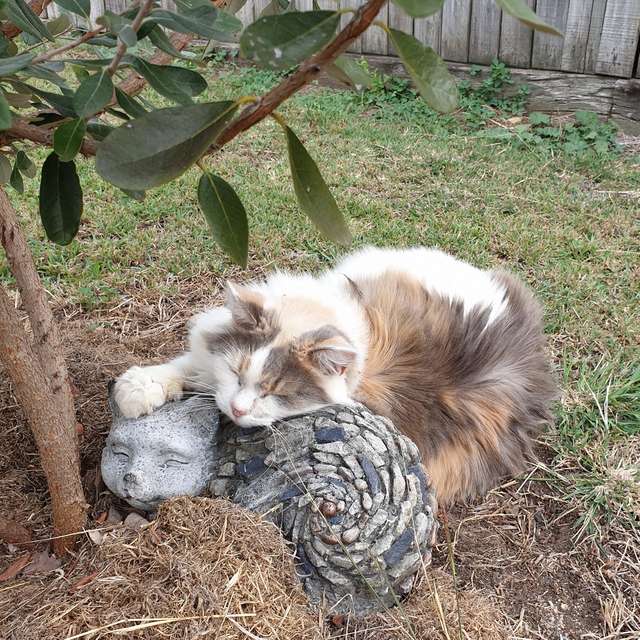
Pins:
<point x="135" y="25"/>
<point x="20" y="130"/>
<point x="307" y="71"/>
<point x="47" y="55"/>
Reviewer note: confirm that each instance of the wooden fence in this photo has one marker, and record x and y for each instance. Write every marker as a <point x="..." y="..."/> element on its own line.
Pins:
<point x="601" y="36"/>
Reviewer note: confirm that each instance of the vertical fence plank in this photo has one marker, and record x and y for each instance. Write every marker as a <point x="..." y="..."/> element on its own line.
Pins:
<point x="593" y="37"/>
<point x="374" y="39"/>
<point x="399" y="20"/>
<point x="356" y="46"/>
<point x="484" y="32"/>
<point x="547" y="48"/>
<point x="456" y="15"/>
<point x="429" y="31"/>
<point x="576" y="35"/>
<point x="515" y="41"/>
<point x="619" y="41"/>
<point x="116" y="6"/>
<point x="245" y="15"/>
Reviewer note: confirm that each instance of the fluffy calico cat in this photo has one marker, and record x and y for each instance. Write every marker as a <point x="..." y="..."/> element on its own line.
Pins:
<point x="453" y="355"/>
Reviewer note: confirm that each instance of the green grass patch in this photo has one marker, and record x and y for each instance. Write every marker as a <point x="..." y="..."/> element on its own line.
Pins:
<point x="403" y="176"/>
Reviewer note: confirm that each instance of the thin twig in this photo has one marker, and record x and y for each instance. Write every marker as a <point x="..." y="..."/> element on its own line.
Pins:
<point x="47" y="55"/>
<point x="144" y="9"/>
<point x="307" y="71"/>
<point x="21" y="130"/>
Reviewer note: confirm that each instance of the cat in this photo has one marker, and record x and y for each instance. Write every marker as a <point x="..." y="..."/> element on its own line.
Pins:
<point x="452" y="354"/>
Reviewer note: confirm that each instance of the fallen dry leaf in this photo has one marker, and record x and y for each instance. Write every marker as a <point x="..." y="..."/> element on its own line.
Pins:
<point x="83" y="582"/>
<point x="96" y="536"/>
<point x="135" y="521"/>
<point x="79" y="428"/>
<point x="102" y="517"/>
<point x="13" y="532"/>
<point x="15" y="567"/>
<point x="42" y="562"/>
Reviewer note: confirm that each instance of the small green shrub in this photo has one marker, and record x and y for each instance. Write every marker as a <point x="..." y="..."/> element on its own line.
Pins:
<point x="587" y="135"/>
<point x="491" y="98"/>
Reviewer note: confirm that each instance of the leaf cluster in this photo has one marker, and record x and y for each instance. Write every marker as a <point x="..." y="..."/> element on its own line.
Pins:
<point x="150" y="146"/>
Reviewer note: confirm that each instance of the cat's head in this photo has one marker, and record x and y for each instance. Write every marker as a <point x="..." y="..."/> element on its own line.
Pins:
<point x="275" y="358"/>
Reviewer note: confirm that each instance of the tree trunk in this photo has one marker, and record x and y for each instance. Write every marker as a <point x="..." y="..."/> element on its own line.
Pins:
<point x="46" y="338"/>
<point x="41" y="383"/>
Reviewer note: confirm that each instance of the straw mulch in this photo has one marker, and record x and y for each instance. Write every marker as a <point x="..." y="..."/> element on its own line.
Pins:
<point x="210" y="569"/>
<point x="202" y="568"/>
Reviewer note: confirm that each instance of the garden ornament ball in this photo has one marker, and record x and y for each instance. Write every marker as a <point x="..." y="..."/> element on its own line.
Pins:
<point x="344" y="486"/>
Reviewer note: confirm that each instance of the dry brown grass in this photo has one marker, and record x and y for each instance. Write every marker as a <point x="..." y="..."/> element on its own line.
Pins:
<point x="203" y="568"/>
<point x="207" y="568"/>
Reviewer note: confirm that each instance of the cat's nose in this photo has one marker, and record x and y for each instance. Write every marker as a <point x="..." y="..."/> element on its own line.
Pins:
<point x="237" y="412"/>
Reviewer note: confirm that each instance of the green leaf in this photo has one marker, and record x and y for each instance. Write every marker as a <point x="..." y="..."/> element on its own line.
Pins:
<point x="205" y="21"/>
<point x="25" y="165"/>
<point x="129" y="105"/>
<point x="587" y="119"/>
<point x="62" y="104"/>
<point x="68" y="138"/>
<point x="93" y="94"/>
<point x="352" y="73"/>
<point x="79" y="7"/>
<point x="45" y="73"/>
<point x="176" y="83"/>
<point x="11" y="65"/>
<point x="60" y="200"/>
<point x="275" y="7"/>
<point x="128" y="35"/>
<point x="136" y="156"/>
<point x="5" y="113"/>
<point x="59" y="24"/>
<point x="419" y="8"/>
<point x="98" y="131"/>
<point x="521" y="11"/>
<point x="282" y="41"/>
<point x="113" y="21"/>
<point x="15" y="180"/>
<point x="225" y="215"/>
<point x="428" y="71"/>
<point x="314" y="196"/>
<point x="19" y="12"/>
<point x="536" y="118"/>
<point x="5" y="169"/>
<point x="159" y="38"/>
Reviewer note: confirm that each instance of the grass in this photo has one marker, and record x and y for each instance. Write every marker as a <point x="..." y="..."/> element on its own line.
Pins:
<point x="403" y="176"/>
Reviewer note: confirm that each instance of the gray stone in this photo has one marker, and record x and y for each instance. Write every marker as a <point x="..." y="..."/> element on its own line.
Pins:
<point x="351" y="535"/>
<point x="166" y="454"/>
<point x="334" y="482"/>
<point x="360" y="484"/>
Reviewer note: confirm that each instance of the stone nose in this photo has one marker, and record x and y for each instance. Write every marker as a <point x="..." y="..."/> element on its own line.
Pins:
<point x="130" y="478"/>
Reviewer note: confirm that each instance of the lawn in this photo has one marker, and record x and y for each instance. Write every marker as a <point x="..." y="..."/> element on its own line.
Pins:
<point x="557" y="550"/>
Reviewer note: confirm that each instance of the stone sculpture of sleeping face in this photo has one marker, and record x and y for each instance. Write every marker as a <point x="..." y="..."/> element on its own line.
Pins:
<point x="166" y="454"/>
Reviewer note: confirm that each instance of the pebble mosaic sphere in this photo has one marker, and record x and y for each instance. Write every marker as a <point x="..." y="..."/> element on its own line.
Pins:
<point x="348" y="490"/>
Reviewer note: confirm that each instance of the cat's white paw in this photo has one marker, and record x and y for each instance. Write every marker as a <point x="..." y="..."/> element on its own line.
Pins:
<point x="140" y="390"/>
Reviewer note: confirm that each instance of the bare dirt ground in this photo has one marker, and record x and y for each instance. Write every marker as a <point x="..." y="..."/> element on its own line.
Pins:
<point x="513" y="552"/>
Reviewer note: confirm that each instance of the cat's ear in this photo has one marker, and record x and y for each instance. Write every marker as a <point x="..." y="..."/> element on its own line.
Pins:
<point x="328" y="350"/>
<point x="246" y="306"/>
